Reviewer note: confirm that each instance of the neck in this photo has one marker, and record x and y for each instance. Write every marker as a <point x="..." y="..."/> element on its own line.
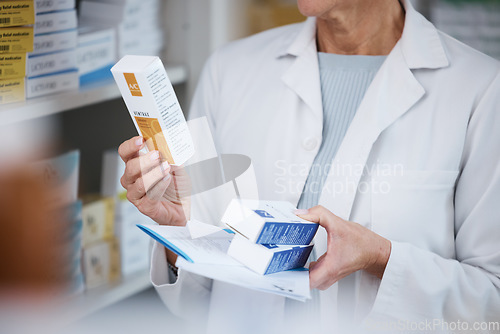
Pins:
<point x="369" y="29"/>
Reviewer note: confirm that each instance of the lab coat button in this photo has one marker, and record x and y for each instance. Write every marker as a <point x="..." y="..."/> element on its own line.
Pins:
<point x="310" y="143"/>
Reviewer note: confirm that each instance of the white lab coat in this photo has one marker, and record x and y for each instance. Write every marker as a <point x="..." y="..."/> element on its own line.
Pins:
<point x="419" y="165"/>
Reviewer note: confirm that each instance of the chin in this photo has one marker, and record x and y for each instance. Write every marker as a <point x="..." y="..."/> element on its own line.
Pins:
<point x="315" y="7"/>
<point x="308" y="7"/>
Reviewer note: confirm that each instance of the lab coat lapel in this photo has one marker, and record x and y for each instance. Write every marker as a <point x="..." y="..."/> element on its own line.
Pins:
<point x="392" y="93"/>
<point x="302" y="77"/>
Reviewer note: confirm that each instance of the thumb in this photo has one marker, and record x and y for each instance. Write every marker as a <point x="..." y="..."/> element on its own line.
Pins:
<point x="317" y="214"/>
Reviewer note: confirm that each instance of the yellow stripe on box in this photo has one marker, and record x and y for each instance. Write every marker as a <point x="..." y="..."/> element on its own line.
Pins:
<point x="12" y="90"/>
<point x="12" y="65"/>
<point x="16" y="40"/>
<point x="17" y="13"/>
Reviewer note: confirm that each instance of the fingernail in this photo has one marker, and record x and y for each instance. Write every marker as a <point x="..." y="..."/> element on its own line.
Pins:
<point x="301" y="212"/>
<point x="139" y="141"/>
<point x="155" y="155"/>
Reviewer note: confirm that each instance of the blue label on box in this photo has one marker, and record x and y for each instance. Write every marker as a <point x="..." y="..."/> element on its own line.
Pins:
<point x="287" y="233"/>
<point x="263" y="213"/>
<point x="289" y="259"/>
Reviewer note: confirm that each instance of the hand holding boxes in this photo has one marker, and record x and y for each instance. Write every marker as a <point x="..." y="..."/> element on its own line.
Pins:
<point x="270" y="238"/>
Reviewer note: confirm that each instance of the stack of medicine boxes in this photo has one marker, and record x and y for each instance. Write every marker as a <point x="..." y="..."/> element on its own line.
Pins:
<point x="16" y="39"/>
<point x="37" y="48"/>
<point x="51" y="67"/>
<point x="269" y="237"/>
<point x="133" y="243"/>
<point x="101" y="251"/>
<point x="137" y="23"/>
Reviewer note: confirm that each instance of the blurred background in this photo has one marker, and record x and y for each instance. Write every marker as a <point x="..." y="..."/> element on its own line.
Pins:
<point x="71" y="256"/>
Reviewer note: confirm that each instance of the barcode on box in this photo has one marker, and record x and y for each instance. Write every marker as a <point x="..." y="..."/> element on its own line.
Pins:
<point x="4" y="47"/>
<point x="5" y="20"/>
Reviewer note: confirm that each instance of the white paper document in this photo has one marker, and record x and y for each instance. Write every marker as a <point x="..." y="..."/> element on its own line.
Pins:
<point x="202" y="250"/>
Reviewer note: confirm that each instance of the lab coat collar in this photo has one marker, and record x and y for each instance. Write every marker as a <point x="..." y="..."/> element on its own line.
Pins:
<point x="420" y="42"/>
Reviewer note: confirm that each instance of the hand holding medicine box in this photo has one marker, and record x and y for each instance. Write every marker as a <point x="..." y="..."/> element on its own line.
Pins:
<point x="153" y="106"/>
<point x="270" y="238"/>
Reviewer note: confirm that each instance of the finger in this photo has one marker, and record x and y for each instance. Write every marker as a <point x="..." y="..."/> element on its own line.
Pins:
<point x="180" y="188"/>
<point x="139" y="166"/>
<point x="129" y="149"/>
<point x="151" y="178"/>
<point x="312" y="264"/>
<point x="158" y="190"/>
<point x="318" y="275"/>
<point x="143" y="184"/>
<point x="318" y="214"/>
<point x="321" y="258"/>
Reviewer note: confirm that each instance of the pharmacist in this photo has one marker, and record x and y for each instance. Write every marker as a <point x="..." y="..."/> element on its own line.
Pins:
<point x="388" y="124"/>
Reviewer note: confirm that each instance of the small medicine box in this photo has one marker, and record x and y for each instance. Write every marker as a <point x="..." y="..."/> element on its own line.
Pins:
<point x="268" y="259"/>
<point x="268" y="222"/>
<point x="153" y="106"/>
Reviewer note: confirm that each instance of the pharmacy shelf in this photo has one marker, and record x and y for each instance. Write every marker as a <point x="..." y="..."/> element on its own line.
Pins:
<point x="88" y="94"/>
<point x="98" y="298"/>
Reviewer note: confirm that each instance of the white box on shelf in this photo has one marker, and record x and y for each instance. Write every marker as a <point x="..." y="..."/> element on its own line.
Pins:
<point x="52" y="83"/>
<point x="148" y="43"/>
<point x="268" y="259"/>
<point x="112" y="170"/>
<point x="96" y="53"/>
<point x="268" y="222"/>
<point x="73" y="218"/>
<point x="92" y="11"/>
<point x="56" y="41"/>
<point x="60" y="174"/>
<point x="42" y="6"/>
<point x="55" y="21"/>
<point x="49" y="63"/>
<point x="134" y="244"/>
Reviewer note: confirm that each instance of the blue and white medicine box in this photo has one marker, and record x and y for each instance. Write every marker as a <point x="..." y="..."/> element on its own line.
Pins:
<point x="268" y="222"/>
<point x="268" y="259"/>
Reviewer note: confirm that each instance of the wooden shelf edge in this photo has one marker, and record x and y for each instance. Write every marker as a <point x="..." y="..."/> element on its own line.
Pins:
<point x="87" y="95"/>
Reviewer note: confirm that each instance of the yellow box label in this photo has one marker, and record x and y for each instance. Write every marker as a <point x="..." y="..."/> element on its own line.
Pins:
<point x="132" y="84"/>
<point x="12" y="90"/>
<point x="109" y="219"/>
<point x="98" y="219"/>
<point x="114" y="260"/>
<point x="12" y="65"/>
<point x="16" y="40"/>
<point x="153" y="134"/>
<point x="17" y="13"/>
